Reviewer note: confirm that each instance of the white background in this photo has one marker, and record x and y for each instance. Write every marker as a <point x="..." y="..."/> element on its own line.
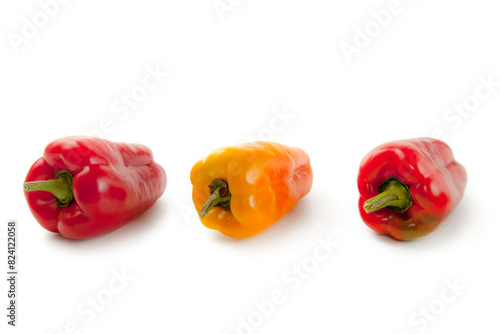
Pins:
<point x="228" y="76"/>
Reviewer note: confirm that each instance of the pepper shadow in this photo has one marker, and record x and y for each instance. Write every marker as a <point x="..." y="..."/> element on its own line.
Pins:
<point x="302" y="220"/>
<point x="139" y="227"/>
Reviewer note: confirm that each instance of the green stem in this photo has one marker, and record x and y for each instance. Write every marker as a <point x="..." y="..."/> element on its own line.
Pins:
<point x="61" y="187"/>
<point x="393" y="195"/>
<point x="220" y="196"/>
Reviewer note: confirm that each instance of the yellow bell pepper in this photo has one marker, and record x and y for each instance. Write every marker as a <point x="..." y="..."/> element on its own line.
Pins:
<point x="244" y="189"/>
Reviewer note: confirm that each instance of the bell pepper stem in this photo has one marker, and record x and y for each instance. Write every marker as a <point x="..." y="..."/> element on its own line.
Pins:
<point x="61" y="187"/>
<point x="220" y="196"/>
<point x="393" y="195"/>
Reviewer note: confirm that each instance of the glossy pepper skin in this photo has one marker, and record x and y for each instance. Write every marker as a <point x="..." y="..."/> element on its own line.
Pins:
<point x="431" y="184"/>
<point x="264" y="181"/>
<point x="105" y="185"/>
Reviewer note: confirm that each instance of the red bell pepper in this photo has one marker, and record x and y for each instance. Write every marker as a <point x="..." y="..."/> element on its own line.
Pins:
<point x="84" y="187"/>
<point x="409" y="187"/>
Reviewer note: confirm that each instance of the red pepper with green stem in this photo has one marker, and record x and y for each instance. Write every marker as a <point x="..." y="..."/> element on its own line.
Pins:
<point x="409" y="187"/>
<point x="85" y="187"/>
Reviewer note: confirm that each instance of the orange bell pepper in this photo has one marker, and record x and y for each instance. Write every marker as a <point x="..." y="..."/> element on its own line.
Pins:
<point x="244" y="189"/>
